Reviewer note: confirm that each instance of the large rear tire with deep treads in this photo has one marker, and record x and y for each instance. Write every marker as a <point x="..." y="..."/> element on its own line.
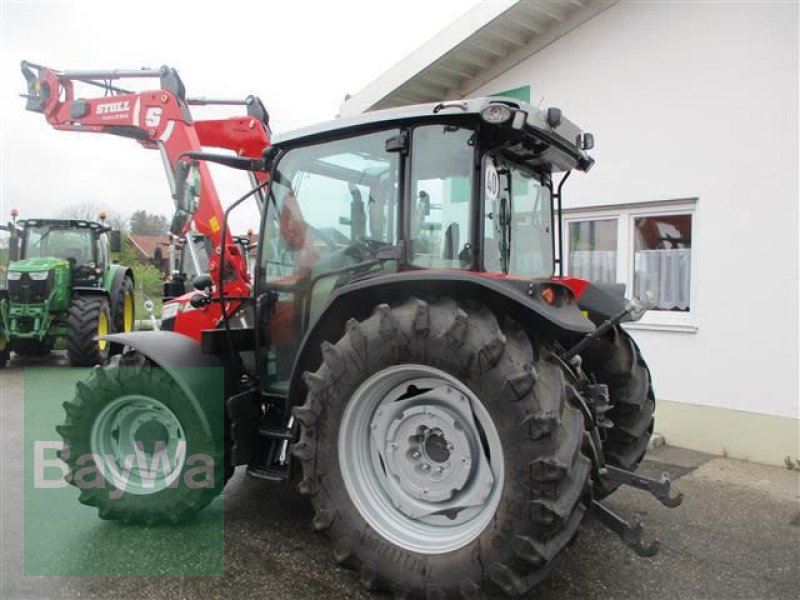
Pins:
<point x="441" y="453"/>
<point x="88" y="317"/>
<point x="132" y="415"/>
<point x="123" y="309"/>
<point x="616" y="361"/>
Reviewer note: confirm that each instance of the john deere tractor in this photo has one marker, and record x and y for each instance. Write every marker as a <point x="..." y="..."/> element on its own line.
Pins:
<point x="61" y="284"/>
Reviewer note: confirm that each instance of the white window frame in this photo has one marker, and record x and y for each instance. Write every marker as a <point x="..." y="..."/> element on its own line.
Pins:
<point x="625" y="214"/>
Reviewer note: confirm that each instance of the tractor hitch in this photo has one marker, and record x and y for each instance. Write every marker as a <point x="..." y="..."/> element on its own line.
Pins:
<point x="631" y="533"/>
<point x="659" y="488"/>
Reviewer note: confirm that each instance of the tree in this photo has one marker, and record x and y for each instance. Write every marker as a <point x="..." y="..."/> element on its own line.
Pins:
<point x="90" y="211"/>
<point x="144" y="223"/>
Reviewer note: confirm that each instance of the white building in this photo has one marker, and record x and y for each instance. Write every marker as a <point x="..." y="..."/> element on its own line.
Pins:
<point x="694" y="107"/>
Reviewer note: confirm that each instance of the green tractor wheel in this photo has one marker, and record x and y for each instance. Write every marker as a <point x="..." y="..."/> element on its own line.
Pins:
<point x="130" y="412"/>
<point x="124" y="311"/>
<point x="89" y="316"/>
<point x="124" y="307"/>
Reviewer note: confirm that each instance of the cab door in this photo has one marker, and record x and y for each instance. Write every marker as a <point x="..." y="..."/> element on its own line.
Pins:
<point x="332" y="207"/>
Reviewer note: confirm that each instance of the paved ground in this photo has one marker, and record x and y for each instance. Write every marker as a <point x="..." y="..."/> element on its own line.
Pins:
<point x="737" y="535"/>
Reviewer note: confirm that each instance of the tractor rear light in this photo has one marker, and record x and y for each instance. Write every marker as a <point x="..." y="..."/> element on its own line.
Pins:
<point x="548" y="295"/>
<point x="496" y="114"/>
<point x="38" y="275"/>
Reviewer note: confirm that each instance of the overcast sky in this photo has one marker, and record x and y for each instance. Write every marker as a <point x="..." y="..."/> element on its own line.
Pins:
<point x="301" y="58"/>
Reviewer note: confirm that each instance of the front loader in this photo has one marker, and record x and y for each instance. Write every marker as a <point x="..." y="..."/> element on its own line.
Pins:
<point x="455" y="405"/>
<point x="93" y="101"/>
<point x="61" y="284"/>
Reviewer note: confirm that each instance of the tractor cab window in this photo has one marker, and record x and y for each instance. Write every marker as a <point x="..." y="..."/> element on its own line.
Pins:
<point x="199" y="250"/>
<point x="517" y="224"/>
<point x="75" y="245"/>
<point x="332" y="207"/>
<point x="335" y="204"/>
<point x="441" y="188"/>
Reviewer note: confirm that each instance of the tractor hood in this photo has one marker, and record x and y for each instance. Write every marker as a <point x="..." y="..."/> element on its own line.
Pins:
<point x="31" y="265"/>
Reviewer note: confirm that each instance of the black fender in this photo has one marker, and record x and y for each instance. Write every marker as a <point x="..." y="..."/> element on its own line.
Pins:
<point x="602" y="301"/>
<point x="200" y="376"/>
<point x="517" y="298"/>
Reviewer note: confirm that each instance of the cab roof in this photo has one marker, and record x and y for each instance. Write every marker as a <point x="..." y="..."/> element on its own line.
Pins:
<point x="64" y="223"/>
<point x="538" y="120"/>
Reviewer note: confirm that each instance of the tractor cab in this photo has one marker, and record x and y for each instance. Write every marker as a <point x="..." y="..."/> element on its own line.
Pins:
<point x="85" y="246"/>
<point x="465" y="192"/>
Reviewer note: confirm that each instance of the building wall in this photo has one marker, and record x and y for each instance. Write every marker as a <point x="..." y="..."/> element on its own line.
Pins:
<point x="700" y="100"/>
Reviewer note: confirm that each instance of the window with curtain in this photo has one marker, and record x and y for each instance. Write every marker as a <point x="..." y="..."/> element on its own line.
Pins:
<point x="662" y="259"/>
<point x="593" y="249"/>
<point x="646" y="247"/>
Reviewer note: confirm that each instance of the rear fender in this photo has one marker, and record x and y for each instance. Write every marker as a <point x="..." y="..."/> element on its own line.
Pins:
<point x="505" y="296"/>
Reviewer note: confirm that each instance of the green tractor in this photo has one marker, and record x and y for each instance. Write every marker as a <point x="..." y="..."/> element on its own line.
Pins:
<point x="61" y="283"/>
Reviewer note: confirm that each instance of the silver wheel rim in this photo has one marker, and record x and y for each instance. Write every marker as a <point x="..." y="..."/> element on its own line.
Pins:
<point x="139" y="443"/>
<point x="421" y="459"/>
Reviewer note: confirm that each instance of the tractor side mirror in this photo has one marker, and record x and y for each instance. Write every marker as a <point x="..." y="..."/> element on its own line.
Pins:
<point x="115" y="240"/>
<point x="13" y="248"/>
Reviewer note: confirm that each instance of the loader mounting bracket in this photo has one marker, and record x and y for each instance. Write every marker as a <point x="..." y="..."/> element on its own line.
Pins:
<point x="631" y="533"/>
<point x="659" y="488"/>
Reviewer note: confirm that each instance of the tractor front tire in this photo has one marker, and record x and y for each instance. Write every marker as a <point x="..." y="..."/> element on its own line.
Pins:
<point x="441" y="452"/>
<point x="126" y="408"/>
<point x="88" y="317"/>
<point x="616" y="361"/>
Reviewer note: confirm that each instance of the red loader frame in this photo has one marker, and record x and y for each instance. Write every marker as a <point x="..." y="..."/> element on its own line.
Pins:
<point x="160" y="119"/>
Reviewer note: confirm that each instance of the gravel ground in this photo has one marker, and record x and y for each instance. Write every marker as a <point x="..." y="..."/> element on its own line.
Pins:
<point x="737" y="535"/>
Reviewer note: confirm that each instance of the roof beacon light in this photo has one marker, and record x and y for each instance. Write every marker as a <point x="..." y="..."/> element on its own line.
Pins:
<point x="496" y="114"/>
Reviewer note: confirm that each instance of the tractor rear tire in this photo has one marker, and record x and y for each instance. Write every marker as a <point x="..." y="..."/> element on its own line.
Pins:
<point x="124" y="311"/>
<point x="616" y="361"/>
<point x="88" y="317"/>
<point x="127" y="393"/>
<point x="490" y="530"/>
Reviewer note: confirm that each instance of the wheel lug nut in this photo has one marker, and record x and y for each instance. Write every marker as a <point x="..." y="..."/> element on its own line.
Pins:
<point x="415" y="454"/>
<point x="426" y="467"/>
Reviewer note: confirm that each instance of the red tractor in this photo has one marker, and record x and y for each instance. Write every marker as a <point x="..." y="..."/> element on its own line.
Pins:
<point x="161" y="120"/>
<point x="454" y="404"/>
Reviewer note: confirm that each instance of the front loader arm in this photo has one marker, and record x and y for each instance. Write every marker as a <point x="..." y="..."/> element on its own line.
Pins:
<point x="158" y="119"/>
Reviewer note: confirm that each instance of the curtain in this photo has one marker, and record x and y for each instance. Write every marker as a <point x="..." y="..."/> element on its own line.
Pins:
<point x="594" y="265"/>
<point x="666" y="273"/>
